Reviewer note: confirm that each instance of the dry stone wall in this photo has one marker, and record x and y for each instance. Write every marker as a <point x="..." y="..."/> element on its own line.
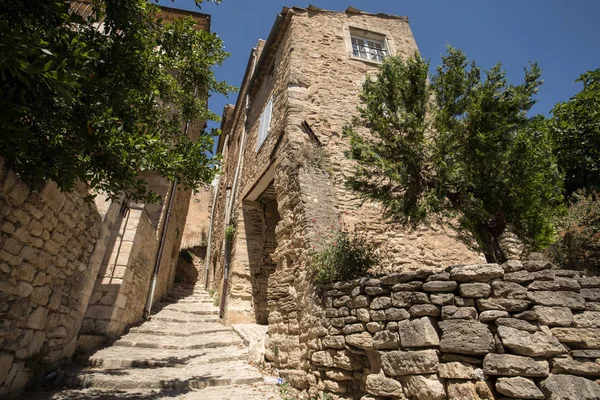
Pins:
<point x="484" y="331"/>
<point x="47" y="270"/>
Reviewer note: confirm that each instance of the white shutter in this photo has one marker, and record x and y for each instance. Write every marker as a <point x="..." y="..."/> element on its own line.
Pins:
<point x="265" y="123"/>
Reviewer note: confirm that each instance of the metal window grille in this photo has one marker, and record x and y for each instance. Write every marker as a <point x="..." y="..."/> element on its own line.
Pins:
<point x="369" y="49"/>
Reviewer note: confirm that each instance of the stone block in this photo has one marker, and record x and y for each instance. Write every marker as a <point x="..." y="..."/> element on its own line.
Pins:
<point x="457" y="370"/>
<point x="442" y="299"/>
<point x="417" y="333"/>
<point x="460" y="390"/>
<point x="512" y="365"/>
<point x="465" y="337"/>
<point x="538" y="344"/>
<point x="386" y="340"/>
<point x="476" y="289"/>
<point x="524" y="277"/>
<point x="568" y="387"/>
<point x="492" y="315"/>
<point x="374" y="327"/>
<point x="380" y="385"/>
<point x="580" y="368"/>
<point x="559" y="283"/>
<point x="380" y="303"/>
<point x="510" y="305"/>
<point x="354" y="328"/>
<point x="398" y="363"/>
<point x="476" y="273"/>
<point x="453" y="312"/>
<point x="572" y="300"/>
<point x="590" y="294"/>
<point x="37" y="319"/>
<point x="518" y="324"/>
<point x="408" y="286"/>
<point x="509" y="290"/>
<point x="424" y="310"/>
<point x="554" y="316"/>
<point x="424" y="387"/>
<point x="334" y="342"/>
<point x="518" y="387"/>
<point x="362" y="340"/>
<point x="396" y="314"/>
<point x="407" y="299"/>
<point x="440" y="286"/>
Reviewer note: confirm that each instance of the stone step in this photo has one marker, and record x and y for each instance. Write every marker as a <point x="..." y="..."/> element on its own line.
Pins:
<point x="256" y="391"/>
<point x="198" y="309"/>
<point x="175" y="316"/>
<point x="165" y="328"/>
<point x="186" y="300"/>
<point x="190" y="377"/>
<point x="117" y="357"/>
<point x="208" y="340"/>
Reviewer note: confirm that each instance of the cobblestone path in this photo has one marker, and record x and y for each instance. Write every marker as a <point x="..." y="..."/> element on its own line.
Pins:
<point x="183" y="352"/>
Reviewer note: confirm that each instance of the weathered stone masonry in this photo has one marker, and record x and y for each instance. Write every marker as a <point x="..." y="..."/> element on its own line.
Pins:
<point x="47" y="270"/>
<point x="306" y="66"/>
<point x="483" y="331"/>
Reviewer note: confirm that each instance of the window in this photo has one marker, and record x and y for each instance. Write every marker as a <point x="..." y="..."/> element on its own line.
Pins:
<point x="368" y="48"/>
<point x="265" y="123"/>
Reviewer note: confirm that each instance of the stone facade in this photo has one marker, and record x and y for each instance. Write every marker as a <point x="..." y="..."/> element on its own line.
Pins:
<point x="51" y="245"/>
<point x="195" y="232"/>
<point x="306" y="68"/>
<point x="519" y="330"/>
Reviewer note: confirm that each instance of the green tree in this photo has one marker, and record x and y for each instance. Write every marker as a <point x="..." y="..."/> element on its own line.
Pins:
<point x="103" y="96"/>
<point x="575" y="127"/>
<point x="460" y="146"/>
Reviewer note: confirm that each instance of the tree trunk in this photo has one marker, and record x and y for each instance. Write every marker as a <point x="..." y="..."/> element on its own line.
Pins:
<point x="490" y="245"/>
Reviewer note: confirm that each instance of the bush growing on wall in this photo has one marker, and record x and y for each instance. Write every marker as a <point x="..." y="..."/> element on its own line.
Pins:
<point x="579" y="244"/>
<point x="344" y="256"/>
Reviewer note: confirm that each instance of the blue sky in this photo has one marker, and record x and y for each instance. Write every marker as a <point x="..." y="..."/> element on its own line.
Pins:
<point x="562" y="36"/>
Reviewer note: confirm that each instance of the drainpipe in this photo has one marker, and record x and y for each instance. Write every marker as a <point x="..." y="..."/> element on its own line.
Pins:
<point x="210" y="229"/>
<point x="161" y="246"/>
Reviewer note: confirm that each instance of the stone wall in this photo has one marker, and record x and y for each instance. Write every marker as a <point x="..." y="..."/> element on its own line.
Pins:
<point x="195" y="232"/>
<point x="123" y="282"/>
<point x="482" y="331"/>
<point x="51" y="245"/>
<point x="324" y="87"/>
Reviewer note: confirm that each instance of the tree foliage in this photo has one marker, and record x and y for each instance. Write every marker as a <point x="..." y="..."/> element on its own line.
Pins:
<point x="460" y="145"/>
<point x="575" y="127"/>
<point x="101" y="98"/>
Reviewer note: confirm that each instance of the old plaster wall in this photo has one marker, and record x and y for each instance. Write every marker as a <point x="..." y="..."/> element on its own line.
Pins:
<point x="51" y="245"/>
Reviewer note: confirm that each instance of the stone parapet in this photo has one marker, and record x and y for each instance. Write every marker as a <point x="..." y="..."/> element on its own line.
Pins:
<point x="483" y="331"/>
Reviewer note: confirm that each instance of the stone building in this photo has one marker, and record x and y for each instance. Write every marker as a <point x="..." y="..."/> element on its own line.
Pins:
<point x="282" y="185"/>
<point x="435" y="323"/>
<point x="74" y="274"/>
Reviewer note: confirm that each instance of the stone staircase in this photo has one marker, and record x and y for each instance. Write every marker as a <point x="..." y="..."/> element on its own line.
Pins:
<point x="182" y="352"/>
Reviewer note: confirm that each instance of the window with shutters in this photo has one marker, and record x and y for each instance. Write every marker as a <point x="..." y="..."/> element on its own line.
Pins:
<point x="264" y="125"/>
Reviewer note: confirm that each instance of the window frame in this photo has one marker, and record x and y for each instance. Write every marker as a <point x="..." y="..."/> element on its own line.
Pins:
<point x="264" y="125"/>
<point x="375" y="38"/>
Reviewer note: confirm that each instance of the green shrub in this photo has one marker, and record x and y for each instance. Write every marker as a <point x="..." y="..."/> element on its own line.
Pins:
<point x="578" y="246"/>
<point x="344" y="256"/>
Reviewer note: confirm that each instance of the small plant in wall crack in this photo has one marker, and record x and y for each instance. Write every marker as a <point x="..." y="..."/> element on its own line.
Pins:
<point x="229" y="233"/>
<point x="343" y="256"/>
